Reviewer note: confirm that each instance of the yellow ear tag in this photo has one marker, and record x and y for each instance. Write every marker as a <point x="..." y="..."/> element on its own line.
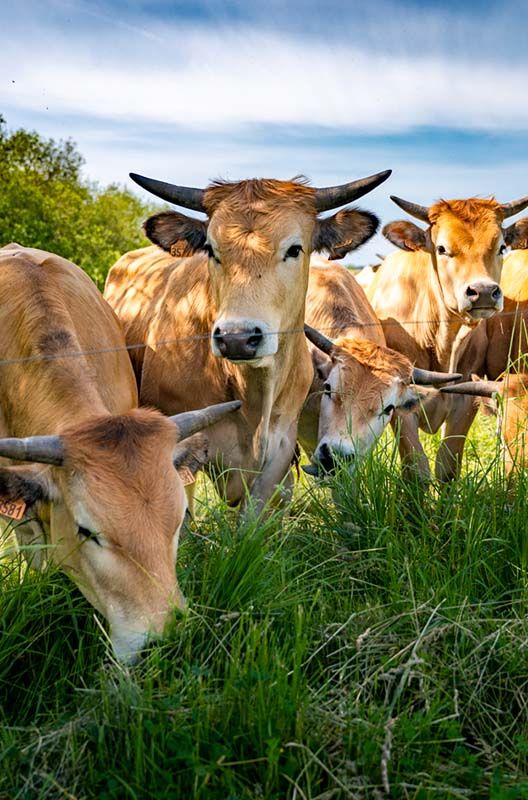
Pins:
<point x="186" y="475"/>
<point x="12" y="508"/>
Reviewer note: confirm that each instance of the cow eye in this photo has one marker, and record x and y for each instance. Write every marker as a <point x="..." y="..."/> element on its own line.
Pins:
<point x="210" y="252"/>
<point x="293" y="251"/>
<point x="441" y="250"/>
<point x="387" y="410"/>
<point x="84" y="533"/>
<point x="327" y="389"/>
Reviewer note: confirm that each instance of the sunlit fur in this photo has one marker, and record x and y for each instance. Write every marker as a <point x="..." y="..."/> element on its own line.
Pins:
<point x="173" y="305"/>
<point x="365" y="376"/>
<point x="417" y="296"/>
<point x="118" y="480"/>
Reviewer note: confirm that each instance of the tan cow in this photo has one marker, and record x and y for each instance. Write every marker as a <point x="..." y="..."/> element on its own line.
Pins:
<point x="501" y="352"/>
<point x="229" y="324"/>
<point x="431" y="297"/>
<point x="100" y="490"/>
<point x="358" y="381"/>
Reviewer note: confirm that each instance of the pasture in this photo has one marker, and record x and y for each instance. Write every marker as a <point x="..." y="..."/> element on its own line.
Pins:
<point x="375" y="646"/>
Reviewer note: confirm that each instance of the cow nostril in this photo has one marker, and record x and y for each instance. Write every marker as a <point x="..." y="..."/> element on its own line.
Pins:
<point x="217" y="334"/>
<point x="496" y="293"/>
<point x="255" y="338"/>
<point x="471" y="292"/>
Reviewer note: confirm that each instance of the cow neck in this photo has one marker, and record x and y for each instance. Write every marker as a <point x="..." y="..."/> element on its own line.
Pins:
<point x="266" y="392"/>
<point x="444" y="324"/>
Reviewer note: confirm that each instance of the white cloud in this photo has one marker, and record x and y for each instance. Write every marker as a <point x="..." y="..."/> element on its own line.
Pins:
<point x="225" y="78"/>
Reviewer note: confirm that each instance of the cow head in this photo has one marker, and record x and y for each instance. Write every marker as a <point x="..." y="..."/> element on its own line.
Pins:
<point x="466" y="241"/>
<point x="116" y="505"/>
<point x="258" y="237"/>
<point x="362" y="385"/>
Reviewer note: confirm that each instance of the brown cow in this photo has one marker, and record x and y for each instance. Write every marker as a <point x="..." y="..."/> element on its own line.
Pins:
<point x="358" y="381"/>
<point x="100" y="491"/>
<point x="431" y="297"/>
<point x="501" y="351"/>
<point x="230" y="324"/>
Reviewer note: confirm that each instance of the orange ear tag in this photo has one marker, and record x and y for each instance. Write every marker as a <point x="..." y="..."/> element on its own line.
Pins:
<point x="12" y="508"/>
<point x="186" y="475"/>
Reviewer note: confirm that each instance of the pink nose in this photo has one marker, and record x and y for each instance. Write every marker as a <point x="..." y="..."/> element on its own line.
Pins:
<point x="484" y="294"/>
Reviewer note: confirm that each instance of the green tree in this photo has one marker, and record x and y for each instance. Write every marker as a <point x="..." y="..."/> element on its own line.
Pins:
<point x="45" y="202"/>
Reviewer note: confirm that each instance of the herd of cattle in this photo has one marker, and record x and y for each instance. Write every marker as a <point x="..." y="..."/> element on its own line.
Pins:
<point x="230" y="323"/>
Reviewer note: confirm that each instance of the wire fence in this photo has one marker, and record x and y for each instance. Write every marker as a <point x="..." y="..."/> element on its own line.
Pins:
<point x="333" y="330"/>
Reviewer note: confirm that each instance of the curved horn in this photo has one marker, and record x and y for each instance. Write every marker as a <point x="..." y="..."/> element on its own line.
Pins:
<point x="190" y="422"/>
<point x="321" y="342"/>
<point x="478" y="388"/>
<point x="335" y="196"/>
<point x="420" y="212"/>
<point x="42" y="449"/>
<point x="184" y="196"/>
<point x="426" y="377"/>
<point x="509" y="209"/>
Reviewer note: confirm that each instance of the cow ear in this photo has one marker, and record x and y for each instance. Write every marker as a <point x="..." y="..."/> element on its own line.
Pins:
<point x="177" y="234"/>
<point x="516" y="235"/>
<point x="406" y="235"/>
<point x="344" y="231"/>
<point x="25" y="485"/>
<point x="191" y="454"/>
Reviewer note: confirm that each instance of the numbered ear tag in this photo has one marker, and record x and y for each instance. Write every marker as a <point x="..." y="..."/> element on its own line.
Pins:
<point x="12" y="508"/>
<point x="186" y="475"/>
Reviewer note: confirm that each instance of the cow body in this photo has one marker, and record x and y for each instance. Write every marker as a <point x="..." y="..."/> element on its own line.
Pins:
<point x="431" y="298"/>
<point x="178" y="372"/>
<point x="102" y="493"/>
<point x="226" y="320"/>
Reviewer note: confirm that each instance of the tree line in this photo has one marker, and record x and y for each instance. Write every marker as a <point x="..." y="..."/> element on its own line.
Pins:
<point x="46" y="202"/>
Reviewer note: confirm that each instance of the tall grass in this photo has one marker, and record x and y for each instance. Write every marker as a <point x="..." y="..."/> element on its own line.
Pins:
<point x="371" y="643"/>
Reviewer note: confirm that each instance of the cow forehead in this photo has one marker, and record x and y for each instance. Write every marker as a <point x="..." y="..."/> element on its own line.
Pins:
<point x="258" y="233"/>
<point x="468" y="223"/>
<point x="367" y="358"/>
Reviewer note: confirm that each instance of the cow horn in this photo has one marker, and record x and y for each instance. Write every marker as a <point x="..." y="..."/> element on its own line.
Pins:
<point x="426" y="377"/>
<point x="509" y="209"/>
<point x="420" y="212"/>
<point x="321" y="342"/>
<point x="184" y="196"/>
<point x="42" y="449"/>
<point x="190" y="422"/>
<point x="477" y="388"/>
<point x="335" y="196"/>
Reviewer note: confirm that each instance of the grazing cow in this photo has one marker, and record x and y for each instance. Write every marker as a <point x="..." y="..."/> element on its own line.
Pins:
<point x="99" y="489"/>
<point x="429" y="300"/>
<point x="501" y="351"/>
<point x="358" y="382"/>
<point x="229" y="324"/>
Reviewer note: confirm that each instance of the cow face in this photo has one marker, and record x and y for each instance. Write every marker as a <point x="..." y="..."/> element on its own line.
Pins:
<point x="362" y="385"/>
<point x="116" y="505"/>
<point x="258" y="239"/>
<point x="466" y="242"/>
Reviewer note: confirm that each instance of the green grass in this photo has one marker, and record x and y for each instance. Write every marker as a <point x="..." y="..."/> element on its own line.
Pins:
<point x="366" y="646"/>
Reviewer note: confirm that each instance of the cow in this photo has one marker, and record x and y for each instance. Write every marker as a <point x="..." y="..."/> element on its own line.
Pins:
<point x="365" y="276"/>
<point x="358" y="382"/>
<point x="429" y="299"/>
<point x="219" y="305"/>
<point x="98" y="492"/>
<point x="501" y="355"/>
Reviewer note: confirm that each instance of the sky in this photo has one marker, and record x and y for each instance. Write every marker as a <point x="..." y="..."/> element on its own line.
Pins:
<point x="192" y="90"/>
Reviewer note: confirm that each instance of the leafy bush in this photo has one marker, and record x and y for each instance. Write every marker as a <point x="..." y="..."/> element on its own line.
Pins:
<point x="45" y="202"/>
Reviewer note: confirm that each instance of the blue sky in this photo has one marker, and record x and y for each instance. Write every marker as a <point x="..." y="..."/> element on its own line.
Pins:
<point x="189" y="91"/>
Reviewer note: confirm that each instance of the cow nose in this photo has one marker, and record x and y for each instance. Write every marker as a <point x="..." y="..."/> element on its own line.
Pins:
<point x="483" y="294"/>
<point x="238" y="345"/>
<point x="329" y="458"/>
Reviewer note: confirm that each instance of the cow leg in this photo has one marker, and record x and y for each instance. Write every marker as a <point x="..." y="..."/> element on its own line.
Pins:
<point x="413" y="458"/>
<point x="276" y="481"/>
<point x="456" y="427"/>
